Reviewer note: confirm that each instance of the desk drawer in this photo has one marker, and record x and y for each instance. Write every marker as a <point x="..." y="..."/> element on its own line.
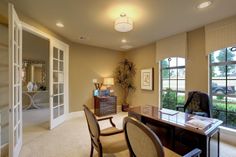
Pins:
<point x="105" y="105"/>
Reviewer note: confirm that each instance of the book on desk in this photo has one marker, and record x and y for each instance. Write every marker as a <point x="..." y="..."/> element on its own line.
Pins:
<point x="198" y="123"/>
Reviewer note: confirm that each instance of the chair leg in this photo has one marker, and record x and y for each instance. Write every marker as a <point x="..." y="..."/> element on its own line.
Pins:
<point x="91" y="151"/>
<point x="130" y="154"/>
<point x="100" y="154"/>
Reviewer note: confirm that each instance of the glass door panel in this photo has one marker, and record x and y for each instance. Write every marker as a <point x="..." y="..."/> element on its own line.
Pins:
<point x="57" y="81"/>
<point x="15" y="86"/>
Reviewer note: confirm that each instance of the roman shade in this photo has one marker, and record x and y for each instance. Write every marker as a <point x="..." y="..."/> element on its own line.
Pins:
<point x="174" y="46"/>
<point x="220" y="34"/>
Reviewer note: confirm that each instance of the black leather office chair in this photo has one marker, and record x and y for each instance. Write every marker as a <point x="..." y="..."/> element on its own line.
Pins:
<point x="198" y="103"/>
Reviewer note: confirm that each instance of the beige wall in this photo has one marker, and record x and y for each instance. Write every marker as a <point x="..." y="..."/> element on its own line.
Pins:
<point x="143" y="58"/>
<point x="87" y="63"/>
<point x="196" y="63"/>
<point x="196" y="68"/>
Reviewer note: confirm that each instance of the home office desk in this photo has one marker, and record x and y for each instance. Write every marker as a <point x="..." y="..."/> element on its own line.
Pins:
<point x="207" y="139"/>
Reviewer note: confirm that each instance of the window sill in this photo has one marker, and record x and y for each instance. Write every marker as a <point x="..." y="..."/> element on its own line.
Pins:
<point x="228" y="135"/>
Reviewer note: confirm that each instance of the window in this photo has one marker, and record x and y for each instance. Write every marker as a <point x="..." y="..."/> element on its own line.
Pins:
<point x="172" y="82"/>
<point x="222" y="85"/>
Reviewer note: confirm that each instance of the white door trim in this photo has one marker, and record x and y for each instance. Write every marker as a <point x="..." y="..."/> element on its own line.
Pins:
<point x="42" y="34"/>
<point x="15" y="82"/>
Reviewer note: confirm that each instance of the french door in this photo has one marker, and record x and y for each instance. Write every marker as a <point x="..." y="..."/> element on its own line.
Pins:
<point x="58" y="79"/>
<point x="15" y="83"/>
<point x="59" y="53"/>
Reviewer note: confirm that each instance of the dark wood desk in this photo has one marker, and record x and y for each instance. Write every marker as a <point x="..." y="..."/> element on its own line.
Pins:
<point x="207" y="139"/>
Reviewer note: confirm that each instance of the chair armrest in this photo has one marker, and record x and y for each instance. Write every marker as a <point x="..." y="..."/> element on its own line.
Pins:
<point x="179" y="107"/>
<point x="194" y="153"/>
<point x="112" y="133"/>
<point x="107" y="118"/>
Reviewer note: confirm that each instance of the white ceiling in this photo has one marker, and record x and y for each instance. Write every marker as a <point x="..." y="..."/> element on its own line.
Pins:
<point x="94" y="19"/>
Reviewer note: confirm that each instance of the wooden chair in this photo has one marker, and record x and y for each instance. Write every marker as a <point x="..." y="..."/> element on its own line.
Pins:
<point x="143" y="142"/>
<point x="109" y="140"/>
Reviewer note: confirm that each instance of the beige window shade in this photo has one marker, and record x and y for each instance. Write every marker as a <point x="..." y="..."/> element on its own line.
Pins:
<point x="174" y="46"/>
<point x="220" y="34"/>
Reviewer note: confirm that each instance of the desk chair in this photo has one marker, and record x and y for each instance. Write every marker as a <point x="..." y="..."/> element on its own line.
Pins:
<point x="143" y="142"/>
<point x="109" y="140"/>
<point x="198" y="103"/>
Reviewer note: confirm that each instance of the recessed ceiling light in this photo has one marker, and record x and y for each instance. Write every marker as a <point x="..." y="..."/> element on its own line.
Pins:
<point x="59" y="24"/>
<point x="204" y="4"/>
<point x="83" y="38"/>
<point x="123" y="40"/>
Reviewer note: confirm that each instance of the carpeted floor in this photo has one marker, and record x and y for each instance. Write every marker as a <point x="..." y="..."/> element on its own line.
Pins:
<point x="71" y="139"/>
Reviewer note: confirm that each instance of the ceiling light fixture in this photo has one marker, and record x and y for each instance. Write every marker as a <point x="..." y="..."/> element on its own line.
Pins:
<point x="204" y="4"/>
<point x="123" y="23"/>
<point x="123" y="40"/>
<point x="59" y="24"/>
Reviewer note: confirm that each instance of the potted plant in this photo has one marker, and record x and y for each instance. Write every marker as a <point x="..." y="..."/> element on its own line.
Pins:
<point x="124" y="75"/>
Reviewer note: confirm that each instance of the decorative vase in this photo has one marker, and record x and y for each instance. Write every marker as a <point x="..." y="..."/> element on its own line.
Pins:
<point x="35" y="87"/>
<point x="30" y="86"/>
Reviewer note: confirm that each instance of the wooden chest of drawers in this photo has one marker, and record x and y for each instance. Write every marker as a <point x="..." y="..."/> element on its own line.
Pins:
<point x="104" y="105"/>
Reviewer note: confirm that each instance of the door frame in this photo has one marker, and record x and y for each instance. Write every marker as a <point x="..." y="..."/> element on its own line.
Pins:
<point x="15" y="82"/>
<point x="39" y="33"/>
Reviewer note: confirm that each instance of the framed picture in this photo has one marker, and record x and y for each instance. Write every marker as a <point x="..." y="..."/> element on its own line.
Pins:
<point x="147" y="79"/>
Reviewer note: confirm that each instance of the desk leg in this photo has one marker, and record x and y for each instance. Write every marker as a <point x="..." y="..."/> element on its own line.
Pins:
<point x="209" y="146"/>
<point x="218" y="143"/>
<point x="209" y="139"/>
<point x="173" y="137"/>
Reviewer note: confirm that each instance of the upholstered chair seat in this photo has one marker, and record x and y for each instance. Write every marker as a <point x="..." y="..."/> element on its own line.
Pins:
<point x="113" y="143"/>
<point x="109" y="130"/>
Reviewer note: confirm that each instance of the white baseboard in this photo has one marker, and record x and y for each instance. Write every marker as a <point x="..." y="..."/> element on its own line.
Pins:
<point x="72" y="115"/>
<point x="75" y="114"/>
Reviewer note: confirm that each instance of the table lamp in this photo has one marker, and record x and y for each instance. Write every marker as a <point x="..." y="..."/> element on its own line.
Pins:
<point x="109" y="82"/>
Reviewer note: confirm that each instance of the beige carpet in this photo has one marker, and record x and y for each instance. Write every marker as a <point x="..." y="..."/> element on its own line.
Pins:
<point x="35" y="116"/>
<point x="71" y="139"/>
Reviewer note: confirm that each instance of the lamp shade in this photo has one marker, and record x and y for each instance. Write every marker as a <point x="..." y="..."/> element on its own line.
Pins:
<point x="123" y="24"/>
<point x="109" y="81"/>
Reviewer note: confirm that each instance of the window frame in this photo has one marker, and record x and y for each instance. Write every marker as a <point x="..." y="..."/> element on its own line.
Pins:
<point x="177" y="91"/>
<point x="226" y="63"/>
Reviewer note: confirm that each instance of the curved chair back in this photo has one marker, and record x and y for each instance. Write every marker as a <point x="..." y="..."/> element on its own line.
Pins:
<point x="141" y="140"/>
<point x="93" y="126"/>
